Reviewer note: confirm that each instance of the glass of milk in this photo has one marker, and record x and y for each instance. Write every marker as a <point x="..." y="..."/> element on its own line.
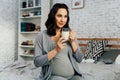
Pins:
<point x="65" y="33"/>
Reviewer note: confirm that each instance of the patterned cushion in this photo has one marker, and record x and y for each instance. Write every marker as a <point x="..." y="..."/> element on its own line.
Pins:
<point x="95" y="49"/>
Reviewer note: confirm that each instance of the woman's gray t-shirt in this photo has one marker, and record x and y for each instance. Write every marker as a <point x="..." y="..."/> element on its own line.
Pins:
<point x="61" y="64"/>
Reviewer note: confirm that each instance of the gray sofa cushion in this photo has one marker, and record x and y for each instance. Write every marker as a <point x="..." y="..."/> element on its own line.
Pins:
<point x="109" y="56"/>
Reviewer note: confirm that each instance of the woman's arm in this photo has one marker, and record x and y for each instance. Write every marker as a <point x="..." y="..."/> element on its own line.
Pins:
<point x="72" y="37"/>
<point x="75" y="48"/>
<point x="40" y="56"/>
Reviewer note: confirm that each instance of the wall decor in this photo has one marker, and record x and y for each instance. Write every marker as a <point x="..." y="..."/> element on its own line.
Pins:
<point x="78" y="4"/>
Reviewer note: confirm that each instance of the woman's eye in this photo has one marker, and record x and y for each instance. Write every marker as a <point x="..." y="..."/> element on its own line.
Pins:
<point x="66" y="16"/>
<point x="63" y="16"/>
<point x="59" y="15"/>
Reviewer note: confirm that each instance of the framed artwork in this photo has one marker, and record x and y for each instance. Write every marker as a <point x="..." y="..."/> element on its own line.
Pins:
<point x="77" y="4"/>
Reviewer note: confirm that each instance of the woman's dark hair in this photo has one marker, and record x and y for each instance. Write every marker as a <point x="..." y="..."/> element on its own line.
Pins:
<point x="51" y="23"/>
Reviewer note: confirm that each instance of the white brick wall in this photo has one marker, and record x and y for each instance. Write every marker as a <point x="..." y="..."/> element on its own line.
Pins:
<point x="99" y="18"/>
<point x="8" y="29"/>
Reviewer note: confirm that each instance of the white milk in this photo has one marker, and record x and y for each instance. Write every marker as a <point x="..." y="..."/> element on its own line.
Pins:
<point x="65" y="34"/>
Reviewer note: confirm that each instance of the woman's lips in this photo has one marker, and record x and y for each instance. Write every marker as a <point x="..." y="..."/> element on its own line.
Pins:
<point x="61" y="23"/>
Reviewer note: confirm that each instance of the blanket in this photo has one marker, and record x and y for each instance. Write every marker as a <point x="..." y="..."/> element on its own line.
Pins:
<point x="27" y="71"/>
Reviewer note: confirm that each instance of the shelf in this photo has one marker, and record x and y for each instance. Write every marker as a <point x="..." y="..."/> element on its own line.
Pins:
<point x="30" y="11"/>
<point x="26" y="46"/>
<point x="27" y="55"/>
<point x="34" y="32"/>
<point x="31" y="17"/>
<point x="30" y="8"/>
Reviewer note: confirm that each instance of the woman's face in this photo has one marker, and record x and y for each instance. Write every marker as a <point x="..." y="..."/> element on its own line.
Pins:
<point x="61" y="17"/>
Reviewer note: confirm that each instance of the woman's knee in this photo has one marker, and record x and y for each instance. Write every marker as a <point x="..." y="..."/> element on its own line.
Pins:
<point x="57" y="78"/>
<point x="76" y="77"/>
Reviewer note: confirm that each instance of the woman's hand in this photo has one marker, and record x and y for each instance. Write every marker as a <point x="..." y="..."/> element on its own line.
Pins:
<point x="61" y="44"/>
<point x="72" y="35"/>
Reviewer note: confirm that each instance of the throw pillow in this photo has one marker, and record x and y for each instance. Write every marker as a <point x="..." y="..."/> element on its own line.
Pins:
<point x="95" y="49"/>
<point x="117" y="60"/>
<point x="109" y="56"/>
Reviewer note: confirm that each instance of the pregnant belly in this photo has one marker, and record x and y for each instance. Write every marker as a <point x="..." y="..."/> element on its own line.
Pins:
<point x="62" y="68"/>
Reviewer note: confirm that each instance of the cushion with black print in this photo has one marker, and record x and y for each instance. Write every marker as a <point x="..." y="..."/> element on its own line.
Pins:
<point x="95" y="49"/>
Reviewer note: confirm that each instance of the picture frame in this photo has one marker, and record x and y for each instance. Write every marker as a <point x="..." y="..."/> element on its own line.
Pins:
<point x="78" y="4"/>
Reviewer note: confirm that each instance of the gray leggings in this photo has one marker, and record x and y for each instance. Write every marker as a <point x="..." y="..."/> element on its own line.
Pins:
<point x="76" y="77"/>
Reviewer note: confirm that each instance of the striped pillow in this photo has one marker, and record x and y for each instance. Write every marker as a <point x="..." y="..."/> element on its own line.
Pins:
<point x="95" y="49"/>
